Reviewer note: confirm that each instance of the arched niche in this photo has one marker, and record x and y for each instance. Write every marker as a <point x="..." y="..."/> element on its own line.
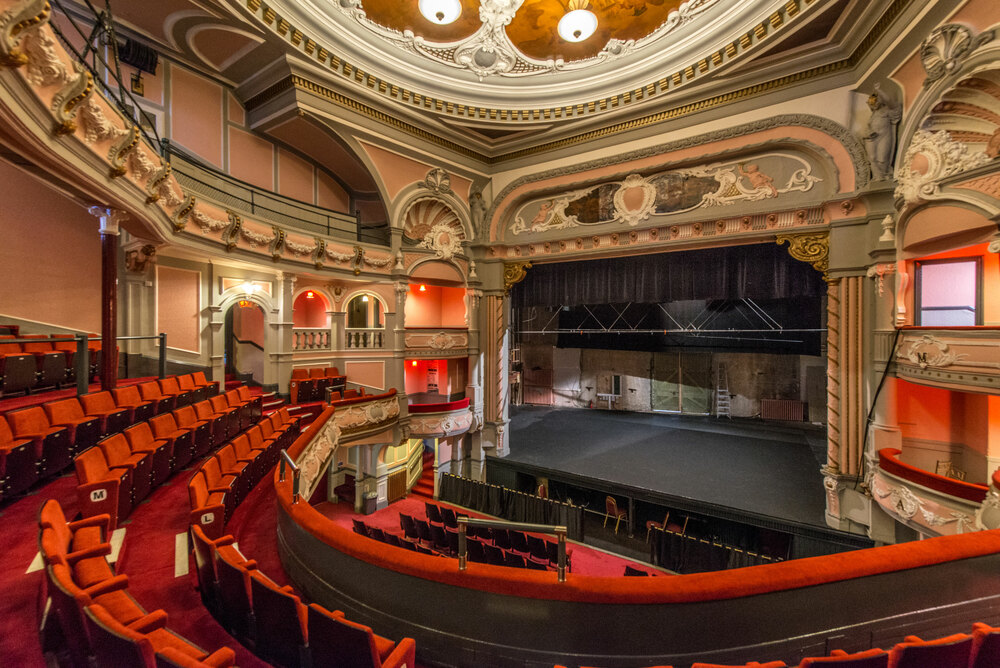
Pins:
<point x="365" y="310"/>
<point x="436" y="296"/>
<point x="311" y="309"/>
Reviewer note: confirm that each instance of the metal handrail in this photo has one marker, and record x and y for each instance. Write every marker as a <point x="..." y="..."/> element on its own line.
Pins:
<point x="295" y="474"/>
<point x="558" y="530"/>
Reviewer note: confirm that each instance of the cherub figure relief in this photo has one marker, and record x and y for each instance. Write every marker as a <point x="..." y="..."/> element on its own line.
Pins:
<point x="758" y="179"/>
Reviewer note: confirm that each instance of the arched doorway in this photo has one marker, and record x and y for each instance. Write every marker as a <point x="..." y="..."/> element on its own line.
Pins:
<point x="245" y="342"/>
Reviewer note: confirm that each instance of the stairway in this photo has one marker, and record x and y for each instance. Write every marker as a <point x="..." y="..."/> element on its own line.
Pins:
<point x="425" y="486"/>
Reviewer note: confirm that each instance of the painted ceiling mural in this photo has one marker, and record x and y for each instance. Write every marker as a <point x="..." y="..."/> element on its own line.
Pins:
<point x="637" y="198"/>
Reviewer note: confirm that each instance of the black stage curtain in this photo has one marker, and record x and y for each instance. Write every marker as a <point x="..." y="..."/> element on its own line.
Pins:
<point x="764" y="271"/>
<point x="511" y="505"/>
<point x="689" y="554"/>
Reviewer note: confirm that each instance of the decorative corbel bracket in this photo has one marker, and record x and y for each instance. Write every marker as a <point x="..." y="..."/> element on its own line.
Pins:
<point x="811" y="248"/>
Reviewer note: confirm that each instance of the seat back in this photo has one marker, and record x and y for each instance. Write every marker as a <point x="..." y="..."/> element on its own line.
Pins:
<point x="116" y="449"/>
<point x="186" y="383"/>
<point x="202" y="547"/>
<point x="114" y="643"/>
<point x="205" y="410"/>
<point x="323" y="647"/>
<point x="213" y="472"/>
<point x="140" y="436"/>
<point x="91" y="465"/>
<point x="64" y="410"/>
<point x="163" y="425"/>
<point x="298" y="374"/>
<point x="282" y="619"/>
<point x="985" y="646"/>
<point x="354" y="642"/>
<point x="872" y="658"/>
<point x="127" y="395"/>
<point x="169" y="385"/>
<point x="227" y="458"/>
<point x="219" y="403"/>
<point x="317" y="372"/>
<point x="952" y="650"/>
<point x="150" y="391"/>
<point x="98" y="402"/>
<point x="234" y="593"/>
<point x="185" y="417"/>
<point x="28" y="421"/>
<point x="69" y="602"/>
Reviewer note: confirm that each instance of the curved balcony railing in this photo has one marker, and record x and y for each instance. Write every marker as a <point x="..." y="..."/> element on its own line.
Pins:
<point x="959" y="357"/>
<point x="677" y="614"/>
<point x="888" y="461"/>
<point x="440" y="420"/>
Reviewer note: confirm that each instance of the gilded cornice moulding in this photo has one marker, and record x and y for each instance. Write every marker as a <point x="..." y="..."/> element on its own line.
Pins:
<point x="811" y="248"/>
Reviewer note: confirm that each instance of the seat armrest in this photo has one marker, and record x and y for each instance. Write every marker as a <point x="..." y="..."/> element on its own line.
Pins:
<point x="102" y="550"/>
<point x="116" y="583"/>
<point x="103" y="520"/>
<point x="403" y="654"/>
<point x="151" y="622"/>
<point x="220" y="658"/>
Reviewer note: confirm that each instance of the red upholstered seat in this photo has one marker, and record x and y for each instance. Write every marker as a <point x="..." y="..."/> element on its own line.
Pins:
<point x="31" y="423"/>
<point x="985" y="651"/>
<point x="752" y="664"/>
<point x="139" y="409"/>
<point x="255" y="459"/>
<point x="218" y="422"/>
<point x="102" y="405"/>
<point x="208" y="505"/>
<point x="201" y="430"/>
<point x="100" y="488"/>
<point x="281" y="621"/>
<point x="221" y="406"/>
<point x="66" y="343"/>
<point x="165" y="428"/>
<point x="301" y="388"/>
<point x="202" y="546"/>
<point x="136" y="644"/>
<point x="872" y="658"/>
<point x="360" y="647"/>
<point x="120" y="455"/>
<point x="18" y="369"/>
<point x="186" y="384"/>
<point x="141" y="439"/>
<point x="233" y="572"/>
<point x="50" y="364"/>
<point x="18" y="461"/>
<point x="221" y="658"/>
<point x="84" y="430"/>
<point x="151" y="392"/>
<point x="88" y="565"/>
<point x="171" y="388"/>
<point x="231" y="465"/>
<point x="201" y="381"/>
<point x="243" y="407"/>
<point x="944" y="652"/>
<point x="256" y="402"/>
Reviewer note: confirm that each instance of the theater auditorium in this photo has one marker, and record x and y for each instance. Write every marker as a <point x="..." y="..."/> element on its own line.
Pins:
<point x="508" y="333"/>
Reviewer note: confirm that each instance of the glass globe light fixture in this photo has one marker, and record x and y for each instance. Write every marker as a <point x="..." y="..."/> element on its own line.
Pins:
<point x="441" y="12"/>
<point x="577" y="24"/>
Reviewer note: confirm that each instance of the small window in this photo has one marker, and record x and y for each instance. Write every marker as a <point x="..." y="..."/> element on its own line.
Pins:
<point x="616" y="385"/>
<point x="948" y="293"/>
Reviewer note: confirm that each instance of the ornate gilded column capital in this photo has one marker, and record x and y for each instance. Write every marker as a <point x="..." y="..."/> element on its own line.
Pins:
<point x="514" y="273"/>
<point x="811" y="248"/>
<point x="111" y="219"/>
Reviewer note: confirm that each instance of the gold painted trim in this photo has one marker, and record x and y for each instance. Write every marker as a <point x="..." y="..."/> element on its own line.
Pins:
<point x="811" y="248"/>
<point x="514" y="273"/>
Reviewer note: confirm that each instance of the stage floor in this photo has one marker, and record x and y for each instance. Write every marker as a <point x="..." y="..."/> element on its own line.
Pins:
<point x="764" y="469"/>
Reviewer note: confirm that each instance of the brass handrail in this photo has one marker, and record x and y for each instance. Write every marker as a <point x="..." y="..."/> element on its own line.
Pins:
<point x="558" y="530"/>
<point x="295" y="474"/>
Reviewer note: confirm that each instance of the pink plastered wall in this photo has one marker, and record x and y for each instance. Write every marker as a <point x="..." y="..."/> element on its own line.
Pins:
<point x="251" y="158"/>
<point x="308" y="312"/>
<point x="329" y="193"/>
<point x="50" y="251"/>
<point x="196" y="114"/>
<point x="295" y="177"/>
<point x="178" y="305"/>
<point x="248" y="324"/>
<point x="435" y="307"/>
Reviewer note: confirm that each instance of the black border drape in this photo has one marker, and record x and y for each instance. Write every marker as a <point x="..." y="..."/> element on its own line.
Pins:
<point x="511" y="505"/>
<point x="760" y="271"/>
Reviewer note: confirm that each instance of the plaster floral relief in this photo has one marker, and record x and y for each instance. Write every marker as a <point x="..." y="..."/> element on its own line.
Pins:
<point x="638" y="198"/>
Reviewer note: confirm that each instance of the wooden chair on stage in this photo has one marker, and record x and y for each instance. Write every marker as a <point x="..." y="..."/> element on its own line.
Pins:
<point x="659" y="525"/>
<point x="611" y="510"/>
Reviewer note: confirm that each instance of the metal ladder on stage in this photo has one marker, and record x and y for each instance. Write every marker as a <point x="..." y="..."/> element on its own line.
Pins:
<point x="722" y="397"/>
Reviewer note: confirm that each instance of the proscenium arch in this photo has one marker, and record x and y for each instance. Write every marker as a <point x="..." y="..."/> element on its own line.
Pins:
<point x="840" y="148"/>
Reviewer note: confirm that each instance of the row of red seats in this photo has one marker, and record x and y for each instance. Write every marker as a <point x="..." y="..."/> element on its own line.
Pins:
<point x="223" y="480"/>
<point x="41" y="441"/>
<point x="980" y="649"/>
<point x="310" y="384"/>
<point x="266" y="617"/>
<point x="43" y="361"/>
<point x="122" y="469"/>
<point x="99" y="621"/>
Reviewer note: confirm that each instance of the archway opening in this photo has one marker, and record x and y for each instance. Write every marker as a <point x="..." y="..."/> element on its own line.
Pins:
<point x="245" y="342"/>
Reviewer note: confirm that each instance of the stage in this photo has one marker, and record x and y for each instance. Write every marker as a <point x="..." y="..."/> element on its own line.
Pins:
<point x="748" y="471"/>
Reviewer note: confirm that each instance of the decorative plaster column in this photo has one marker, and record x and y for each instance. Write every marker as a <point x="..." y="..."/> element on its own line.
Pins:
<point x="495" y="318"/>
<point x="282" y="322"/>
<point x="110" y="220"/>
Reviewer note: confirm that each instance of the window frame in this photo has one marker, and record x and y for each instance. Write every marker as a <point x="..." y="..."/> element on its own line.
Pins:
<point x="918" y="309"/>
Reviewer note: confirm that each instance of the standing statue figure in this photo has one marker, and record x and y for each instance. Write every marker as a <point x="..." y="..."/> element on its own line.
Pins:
<point x="880" y="138"/>
<point x="477" y="207"/>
